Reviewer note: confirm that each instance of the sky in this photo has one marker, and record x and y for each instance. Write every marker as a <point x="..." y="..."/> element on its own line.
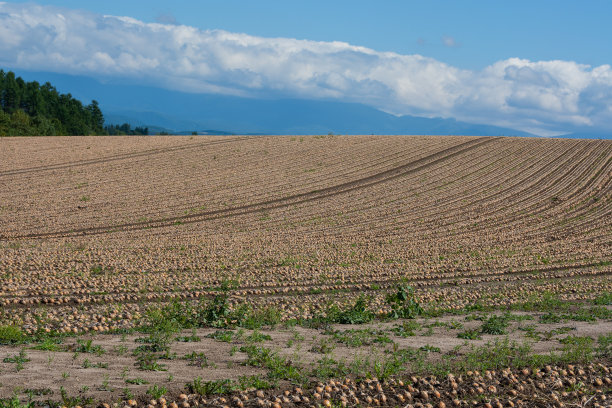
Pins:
<point x="537" y="66"/>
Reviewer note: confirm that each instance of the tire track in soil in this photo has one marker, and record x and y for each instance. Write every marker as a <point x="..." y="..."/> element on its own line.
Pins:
<point x="332" y="191"/>
<point x="575" y="195"/>
<point x="107" y="159"/>
<point x="538" y="207"/>
<point x="456" y="198"/>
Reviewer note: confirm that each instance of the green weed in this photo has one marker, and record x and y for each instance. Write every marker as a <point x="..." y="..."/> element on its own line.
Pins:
<point x="88" y="347"/>
<point x="279" y="368"/>
<point x="197" y="359"/>
<point x="403" y="304"/>
<point x="470" y="334"/>
<point x="197" y="386"/>
<point x="156" y="392"/>
<point x="136" y="381"/>
<point x="11" y="335"/>
<point x="18" y="360"/>
<point x="361" y="337"/>
<point x="14" y="402"/>
<point x="327" y="367"/>
<point x="222" y="335"/>
<point x="358" y="313"/>
<point x="605" y="299"/>
<point x="257" y="337"/>
<point x="495" y="325"/>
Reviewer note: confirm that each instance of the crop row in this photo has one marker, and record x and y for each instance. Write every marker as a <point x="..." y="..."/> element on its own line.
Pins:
<point x="91" y="237"/>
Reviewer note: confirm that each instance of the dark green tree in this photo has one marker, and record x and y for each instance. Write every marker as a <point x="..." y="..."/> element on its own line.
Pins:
<point x="28" y="108"/>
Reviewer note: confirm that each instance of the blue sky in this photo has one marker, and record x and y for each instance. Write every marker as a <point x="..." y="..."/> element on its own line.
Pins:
<point x="539" y="66"/>
<point x="485" y="31"/>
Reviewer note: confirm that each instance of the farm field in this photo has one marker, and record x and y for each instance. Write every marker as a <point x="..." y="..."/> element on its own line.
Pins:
<point x="109" y="241"/>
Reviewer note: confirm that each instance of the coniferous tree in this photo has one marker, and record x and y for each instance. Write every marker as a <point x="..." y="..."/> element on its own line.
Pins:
<point x="28" y="108"/>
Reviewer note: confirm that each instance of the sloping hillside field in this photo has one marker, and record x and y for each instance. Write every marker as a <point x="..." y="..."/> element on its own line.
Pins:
<point x="294" y="237"/>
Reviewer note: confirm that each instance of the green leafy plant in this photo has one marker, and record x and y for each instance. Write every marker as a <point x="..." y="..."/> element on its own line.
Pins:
<point x="222" y="335"/>
<point x="197" y="359"/>
<point x="197" y="386"/>
<point x="428" y="348"/>
<point x="605" y="299"/>
<point x="358" y="338"/>
<point x="189" y="339"/>
<point x="327" y="367"/>
<point x="577" y="349"/>
<point x="551" y="317"/>
<point x="156" y="392"/>
<point x="49" y="344"/>
<point x="495" y="325"/>
<point x="358" y="313"/>
<point x="148" y="361"/>
<point x="403" y="304"/>
<point x="279" y="367"/>
<point x="14" y="402"/>
<point x="88" y="347"/>
<point x="495" y="356"/>
<point x="470" y="334"/>
<point x="18" y="359"/>
<point x="216" y="313"/>
<point x="136" y="381"/>
<point x="406" y="329"/>
<point x="71" y="402"/>
<point x="389" y="365"/>
<point x="253" y="381"/>
<point x="249" y="318"/>
<point x="11" y="335"/>
<point x="257" y="337"/>
<point x="605" y="346"/>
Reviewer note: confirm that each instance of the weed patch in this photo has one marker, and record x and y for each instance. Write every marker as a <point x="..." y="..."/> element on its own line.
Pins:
<point x="11" y="335"/>
<point x="403" y="304"/>
<point x="361" y="337"/>
<point x="279" y="368"/>
<point x="470" y="334"/>
<point x="495" y="325"/>
<point x="406" y="329"/>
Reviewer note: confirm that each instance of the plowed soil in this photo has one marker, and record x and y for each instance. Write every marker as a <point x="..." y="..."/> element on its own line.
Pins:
<point x="96" y="230"/>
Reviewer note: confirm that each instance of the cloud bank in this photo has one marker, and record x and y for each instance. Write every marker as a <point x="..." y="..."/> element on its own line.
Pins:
<point x="539" y="96"/>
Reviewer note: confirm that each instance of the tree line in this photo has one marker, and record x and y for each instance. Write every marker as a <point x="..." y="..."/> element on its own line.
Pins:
<point x="29" y="108"/>
<point x="125" y="129"/>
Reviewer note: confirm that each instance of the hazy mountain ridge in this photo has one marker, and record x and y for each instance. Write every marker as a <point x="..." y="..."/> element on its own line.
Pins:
<point x="174" y="111"/>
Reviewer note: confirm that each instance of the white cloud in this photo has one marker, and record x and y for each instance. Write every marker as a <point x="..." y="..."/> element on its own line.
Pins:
<point x="542" y="96"/>
<point x="450" y="42"/>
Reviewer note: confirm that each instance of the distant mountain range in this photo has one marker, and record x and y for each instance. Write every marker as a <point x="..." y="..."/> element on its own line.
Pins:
<point x="179" y="112"/>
